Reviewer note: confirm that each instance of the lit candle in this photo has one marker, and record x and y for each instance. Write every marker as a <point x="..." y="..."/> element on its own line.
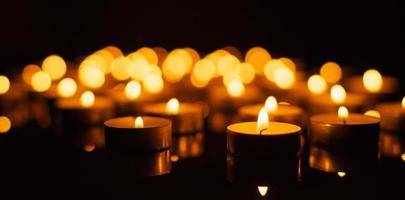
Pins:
<point x="185" y="117"/>
<point x="86" y="109"/>
<point x="140" y="134"/>
<point x="344" y="129"/>
<point x="277" y="112"/>
<point x="372" y="82"/>
<point x="392" y="116"/>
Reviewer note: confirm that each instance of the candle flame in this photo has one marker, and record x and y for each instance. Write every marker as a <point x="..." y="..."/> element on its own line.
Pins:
<point x="41" y="81"/>
<point x="235" y="88"/>
<point x="343" y="113"/>
<point x="372" y="80"/>
<point x="262" y="190"/>
<point x="67" y="87"/>
<point x="172" y="106"/>
<point x="316" y="84"/>
<point x="4" y="84"/>
<point x="132" y="90"/>
<point x="138" y="122"/>
<point x="403" y="103"/>
<point x="284" y="77"/>
<point x="373" y="113"/>
<point x="271" y="104"/>
<point x="87" y="99"/>
<point x="262" y="120"/>
<point x="331" y="71"/>
<point x="5" y="124"/>
<point x="55" y="66"/>
<point x="338" y="94"/>
<point x="341" y="174"/>
<point x="403" y="157"/>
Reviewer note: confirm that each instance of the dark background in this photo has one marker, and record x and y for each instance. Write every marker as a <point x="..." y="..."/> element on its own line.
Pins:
<point x="359" y="33"/>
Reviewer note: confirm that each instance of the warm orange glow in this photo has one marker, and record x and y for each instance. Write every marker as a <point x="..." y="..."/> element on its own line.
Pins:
<point x="262" y="120"/>
<point x="176" y="65"/>
<point x="271" y="104"/>
<point x="41" y="81"/>
<point x="257" y="57"/>
<point x="193" y="53"/>
<point x="284" y="78"/>
<point x="227" y="64"/>
<point x="87" y="99"/>
<point x="262" y="190"/>
<point x="289" y="63"/>
<point x="5" y="124"/>
<point x="316" y="84"/>
<point x="230" y="76"/>
<point x="372" y="80"/>
<point x="173" y="106"/>
<point x="403" y="103"/>
<point x="373" y="113"/>
<point x="4" y="84"/>
<point x="403" y="157"/>
<point x="338" y="94"/>
<point x="247" y="73"/>
<point x="341" y="174"/>
<point x="55" y="66"/>
<point x="174" y="158"/>
<point x="270" y="67"/>
<point x="153" y="83"/>
<point x="107" y="56"/>
<point x="97" y="61"/>
<point x="120" y="68"/>
<point x="149" y="54"/>
<point x="137" y="67"/>
<point x="91" y="76"/>
<point x="331" y="72"/>
<point x="67" y="87"/>
<point x="115" y="51"/>
<point x="133" y="90"/>
<point x="343" y="113"/>
<point x="29" y="71"/>
<point x="235" y="88"/>
<point x="138" y="122"/>
<point x="197" y="82"/>
<point x="204" y="70"/>
<point x="89" y="147"/>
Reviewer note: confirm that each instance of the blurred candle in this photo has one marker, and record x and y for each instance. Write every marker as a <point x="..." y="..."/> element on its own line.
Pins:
<point x="392" y="116"/>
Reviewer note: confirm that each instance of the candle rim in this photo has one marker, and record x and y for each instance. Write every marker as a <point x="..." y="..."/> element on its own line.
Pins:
<point x="297" y="129"/>
<point x="317" y="119"/>
<point x="191" y="108"/>
<point x="73" y="103"/>
<point x="111" y="122"/>
<point x="249" y="110"/>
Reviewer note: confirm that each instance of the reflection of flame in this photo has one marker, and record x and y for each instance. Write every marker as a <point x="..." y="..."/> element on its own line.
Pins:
<point x="271" y="104"/>
<point x="87" y="99"/>
<point x="338" y="94"/>
<point x="174" y="158"/>
<point x="403" y="103"/>
<point x="89" y="147"/>
<point x="138" y="122"/>
<point x="343" y="113"/>
<point x="262" y="120"/>
<point x="372" y="80"/>
<point x="341" y="174"/>
<point x="403" y="157"/>
<point x="262" y="190"/>
<point x="172" y="106"/>
<point x="372" y="113"/>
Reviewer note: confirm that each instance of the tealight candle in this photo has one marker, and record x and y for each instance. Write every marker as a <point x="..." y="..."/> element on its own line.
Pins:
<point x="140" y="134"/>
<point x="392" y="115"/>
<point x="185" y="117"/>
<point x="372" y="82"/>
<point x="277" y="112"/>
<point x="344" y="129"/>
<point x="88" y="109"/>
<point x="263" y="138"/>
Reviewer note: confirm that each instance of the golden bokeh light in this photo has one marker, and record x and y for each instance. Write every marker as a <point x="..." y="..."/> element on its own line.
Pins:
<point x="235" y="88"/>
<point x="55" y="66"/>
<point x="288" y="63"/>
<point x="114" y="51"/>
<point x="67" y="87"/>
<point x="331" y="72"/>
<point x="204" y="70"/>
<point x="343" y="113"/>
<point x="173" y="106"/>
<point x="5" y="124"/>
<point x="341" y="174"/>
<point x="284" y="77"/>
<point x="4" y="84"/>
<point x="153" y="83"/>
<point x="91" y="76"/>
<point x="138" y="122"/>
<point x="372" y="80"/>
<point x="149" y="54"/>
<point x="270" y="67"/>
<point x="161" y="53"/>
<point x="338" y="94"/>
<point x="271" y="104"/>
<point x="41" y="81"/>
<point x="87" y="99"/>
<point x="97" y="61"/>
<point x="403" y="102"/>
<point x="89" y="148"/>
<point x="317" y="84"/>
<point x="372" y="113"/>
<point x="262" y="120"/>
<point x="29" y="71"/>
<point x="230" y="76"/>
<point x="193" y="53"/>
<point x="247" y="73"/>
<point x="133" y="90"/>
<point x="196" y="82"/>
<point x="176" y="65"/>
<point x="107" y="56"/>
<point x="262" y="190"/>
<point x="137" y="67"/>
<point x="403" y="157"/>
<point x="120" y="68"/>
<point x="258" y="57"/>
<point x="227" y="64"/>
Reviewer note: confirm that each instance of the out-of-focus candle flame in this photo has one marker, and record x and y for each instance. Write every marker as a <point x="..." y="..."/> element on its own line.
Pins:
<point x="262" y="190"/>
<point x="372" y="80"/>
<point x="235" y="88"/>
<point x="262" y="120"/>
<point x="271" y="104"/>
<point x="5" y="124"/>
<point x="246" y="73"/>
<point x="284" y="77"/>
<point x="331" y="71"/>
<point x="67" y="87"/>
<point x="55" y="66"/>
<point x="341" y="174"/>
<point x="41" y="81"/>
<point x="91" y="75"/>
<point x="153" y="83"/>
<point x="132" y="90"/>
<point x="373" y="113"/>
<point x="343" y="113"/>
<point x="138" y="122"/>
<point x="403" y="103"/>
<point x="120" y="68"/>
<point x="316" y="84"/>
<point x="174" y="158"/>
<point x="270" y="68"/>
<point x="89" y="147"/>
<point x="338" y="94"/>
<point x="173" y="106"/>
<point x="87" y="99"/>
<point x="403" y="157"/>
<point x="149" y="54"/>
<point x="257" y="57"/>
<point x="4" y="84"/>
<point x="29" y="71"/>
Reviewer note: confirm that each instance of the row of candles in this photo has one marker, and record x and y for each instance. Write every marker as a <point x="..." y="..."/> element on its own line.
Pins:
<point x="152" y="74"/>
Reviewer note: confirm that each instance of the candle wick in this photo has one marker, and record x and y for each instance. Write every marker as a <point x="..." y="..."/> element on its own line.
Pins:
<point x="260" y="132"/>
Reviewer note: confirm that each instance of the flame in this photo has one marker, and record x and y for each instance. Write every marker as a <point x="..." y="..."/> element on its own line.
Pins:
<point x="373" y="113"/>
<point x="132" y="90"/>
<point x="172" y="106"/>
<point x="29" y="71"/>
<point x="91" y="75"/>
<point x="153" y="83"/>
<point x="235" y="88"/>
<point x="331" y="71"/>
<point x="403" y="103"/>
<point x="67" y="87"/>
<point x="372" y="80"/>
<point x="338" y="94"/>
<point x="87" y="99"/>
<point x="41" y="81"/>
<point x="271" y="104"/>
<point x="55" y="66"/>
<point x="262" y="190"/>
<point x="262" y="120"/>
<point x="403" y="157"/>
<point x="284" y="77"/>
<point x="343" y="113"/>
<point x="138" y="122"/>
<point x="4" y="84"/>
<point x="5" y="124"/>
<point x="316" y="84"/>
<point x="341" y="174"/>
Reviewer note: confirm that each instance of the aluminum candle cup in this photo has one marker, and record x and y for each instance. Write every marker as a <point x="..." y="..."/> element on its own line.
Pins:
<point x="125" y="136"/>
<point x="283" y="113"/>
<point x="392" y="116"/>
<point x="356" y="131"/>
